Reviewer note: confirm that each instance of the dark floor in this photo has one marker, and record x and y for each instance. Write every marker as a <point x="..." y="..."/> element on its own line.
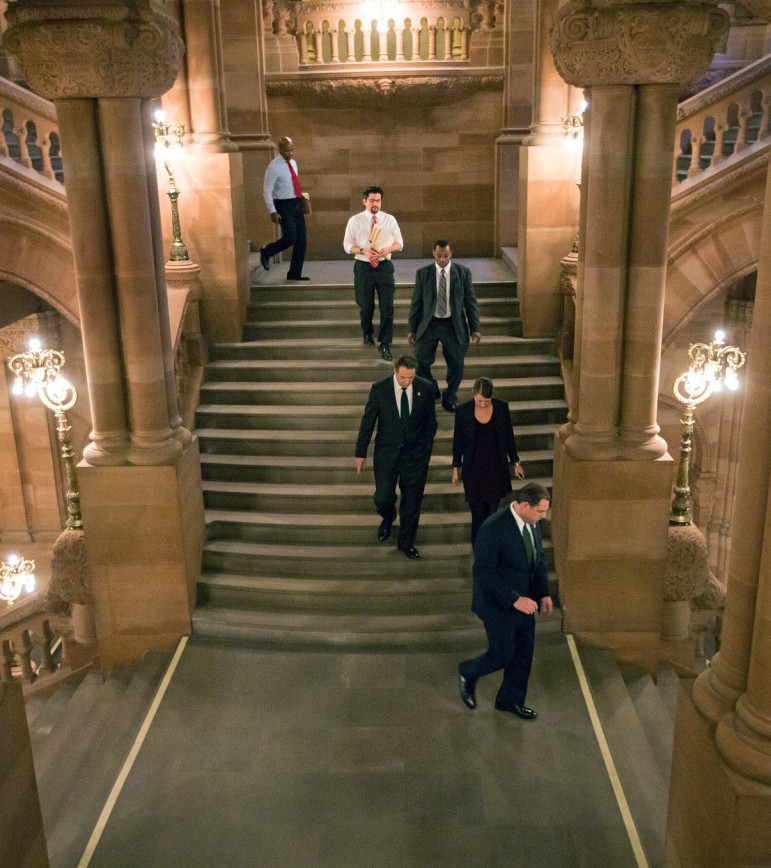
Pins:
<point x="331" y="759"/>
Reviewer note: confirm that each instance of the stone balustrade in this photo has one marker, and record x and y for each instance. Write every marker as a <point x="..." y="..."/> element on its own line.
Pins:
<point x="443" y="37"/>
<point x="723" y="120"/>
<point x="32" y="657"/>
<point x="30" y="133"/>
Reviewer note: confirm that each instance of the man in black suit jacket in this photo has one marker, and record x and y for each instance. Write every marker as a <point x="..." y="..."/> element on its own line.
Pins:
<point x="443" y="308"/>
<point x="402" y="406"/>
<point x="510" y="586"/>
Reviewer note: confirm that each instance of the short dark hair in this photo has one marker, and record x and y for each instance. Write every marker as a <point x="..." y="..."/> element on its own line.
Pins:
<point x="483" y="386"/>
<point x="368" y="190"/>
<point x="406" y="361"/>
<point x="532" y="494"/>
<point x="440" y="242"/>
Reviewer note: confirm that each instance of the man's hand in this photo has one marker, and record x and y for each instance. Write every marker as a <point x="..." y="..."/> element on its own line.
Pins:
<point x="275" y="217"/>
<point x="528" y="606"/>
<point x="519" y="473"/>
<point x="476" y="337"/>
<point x="361" y="464"/>
<point x="411" y="339"/>
<point x="547" y="607"/>
<point x="455" y="476"/>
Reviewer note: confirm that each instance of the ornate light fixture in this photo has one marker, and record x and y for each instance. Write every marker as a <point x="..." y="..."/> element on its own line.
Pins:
<point x="573" y="128"/>
<point x="38" y="372"/>
<point x="168" y="147"/>
<point x="711" y="366"/>
<point x="16" y="575"/>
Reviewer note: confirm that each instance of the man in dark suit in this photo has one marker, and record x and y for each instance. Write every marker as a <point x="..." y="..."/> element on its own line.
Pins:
<point x="510" y="586"/>
<point x="443" y="309"/>
<point x="402" y="407"/>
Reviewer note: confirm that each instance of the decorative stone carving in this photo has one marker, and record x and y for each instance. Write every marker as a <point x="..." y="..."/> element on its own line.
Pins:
<point x="105" y="50"/>
<point x="687" y="575"/>
<point x="439" y="90"/>
<point x="638" y="43"/>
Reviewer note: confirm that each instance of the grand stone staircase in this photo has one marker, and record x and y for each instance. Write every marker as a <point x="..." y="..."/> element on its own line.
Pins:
<point x="292" y="557"/>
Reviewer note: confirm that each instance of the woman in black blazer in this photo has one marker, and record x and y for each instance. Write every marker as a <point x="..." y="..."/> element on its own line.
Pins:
<point x="484" y="452"/>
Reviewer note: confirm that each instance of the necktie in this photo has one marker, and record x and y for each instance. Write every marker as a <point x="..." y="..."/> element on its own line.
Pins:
<point x="527" y="536"/>
<point x="441" y="301"/>
<point x="298" y="190"/>
<point x="405" y="410"/>
<point x="374" y="260"/>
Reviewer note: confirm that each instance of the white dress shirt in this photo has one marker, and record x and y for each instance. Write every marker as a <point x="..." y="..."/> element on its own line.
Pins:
<point x="359" y="227"/>
<point x="277" y="183"/>
<point x="398" y="394"/>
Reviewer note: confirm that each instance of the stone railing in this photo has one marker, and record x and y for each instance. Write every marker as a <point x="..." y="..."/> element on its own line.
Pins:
<point x="723" y="120"/>
<point x="33" y="657"/>
<point x="30" y="133"/>
<point x="433" y="31"/>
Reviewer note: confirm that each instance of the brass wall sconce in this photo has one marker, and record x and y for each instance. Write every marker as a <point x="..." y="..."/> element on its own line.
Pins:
<point x="712" y="365"/>
<point x="16" y="575"/>
<point x="168" y="147"/>
<point x="38" y="372"/>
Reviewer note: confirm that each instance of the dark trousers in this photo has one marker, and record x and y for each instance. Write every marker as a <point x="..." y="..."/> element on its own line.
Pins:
<point x="479" y="512"/>
<point x="366" y="282"/>
<point x="292" y="234"/>
<point x="510" y="641"/>
<point x="441" y="331"/>
<point x="411" y="476"/>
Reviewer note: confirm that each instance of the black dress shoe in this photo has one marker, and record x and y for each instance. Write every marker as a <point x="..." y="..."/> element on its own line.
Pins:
<point x="369" y="340"/>
<point x="467" y="693"/>
<point x="264" y="259"/>
<point x="520" y="710"/>
<point x="385" y="530"/>
<point x="302" y="277"/>
<point x="385" y="352"/>
<point x="450" y="406"/>
<point x="411" y="552"/>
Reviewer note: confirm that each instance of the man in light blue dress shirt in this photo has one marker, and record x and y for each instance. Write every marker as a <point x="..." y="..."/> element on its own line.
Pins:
<point x="283" y="198"/>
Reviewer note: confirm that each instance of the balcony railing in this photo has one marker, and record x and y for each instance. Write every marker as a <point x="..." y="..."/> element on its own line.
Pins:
<point x="723" y="120"/>
<point x="30" y="134"/>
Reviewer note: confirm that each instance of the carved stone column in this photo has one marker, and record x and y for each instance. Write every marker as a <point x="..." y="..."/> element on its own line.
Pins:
<point x="611" y="520"/>
<point x="723" y="734"/>
<point x="549" y="171"/>
<point x="103" y="63"/>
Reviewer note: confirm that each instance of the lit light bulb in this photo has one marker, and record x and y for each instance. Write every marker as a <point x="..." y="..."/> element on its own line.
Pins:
<point x="720" y="336"/>
<point x="18" y="387"/>
<point x="34" y="344"/>
<point x="159" y="115"/>
<point x="30" y="390"/>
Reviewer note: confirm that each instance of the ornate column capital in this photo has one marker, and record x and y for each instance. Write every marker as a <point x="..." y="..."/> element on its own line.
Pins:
<point x="107" y="48"/>
<point x="610" y="43"/>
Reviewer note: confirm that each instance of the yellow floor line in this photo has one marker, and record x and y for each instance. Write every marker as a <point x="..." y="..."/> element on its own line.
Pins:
<point x="93" y="841"/>
<point x="618" y="790"/>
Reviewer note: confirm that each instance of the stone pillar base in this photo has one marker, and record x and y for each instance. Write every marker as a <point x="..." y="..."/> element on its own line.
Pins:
<point x="716" y="816"/>
<point x="610" y="522"/>
<point x="144" y="529"/>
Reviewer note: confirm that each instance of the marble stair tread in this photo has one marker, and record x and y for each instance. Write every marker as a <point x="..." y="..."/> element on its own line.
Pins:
<point x="646" y="791"/>
<point x="47" y="718"/>
<point x="337" y="490"/>
<point x="321" y="326"/>
<point x="335" y="366"/>
<point x="654" y="714"/>
<point x="348" y="584"/>
<point x="350" y="409"/>
<point x="512" y="341"/>
<point x="321" y="519"/>
<point x="324" y="554"/>
<point x="328" y="461"/>
<point x="78" y="788"/>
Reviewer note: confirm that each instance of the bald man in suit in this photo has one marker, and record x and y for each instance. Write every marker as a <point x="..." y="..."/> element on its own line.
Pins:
<point x="402" y="408"/>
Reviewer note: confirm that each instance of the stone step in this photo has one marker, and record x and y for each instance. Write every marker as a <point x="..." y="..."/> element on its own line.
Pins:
<point x="455" y="631"/>
<point x="314" y="291"/>
<point x="324" y="348"/>
<point x="335" y="595"/>
<point x="341" y="497"/>
<point x="344" y="308"/>
<point x="310" y="329"/>
<point x="300" y="370"/>
<point x="319" y="392"/>
<point x="319" y="470"/>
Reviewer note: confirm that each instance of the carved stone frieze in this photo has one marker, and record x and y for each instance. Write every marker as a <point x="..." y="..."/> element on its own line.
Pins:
<point x="636" y="43"/>
<point x="437" y="89"/>
<point x="95" y="51"/>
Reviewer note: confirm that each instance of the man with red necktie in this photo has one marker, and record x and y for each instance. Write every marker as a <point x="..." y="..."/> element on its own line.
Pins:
<point x="371" y="236"/>
<point x="283" y="198"/>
